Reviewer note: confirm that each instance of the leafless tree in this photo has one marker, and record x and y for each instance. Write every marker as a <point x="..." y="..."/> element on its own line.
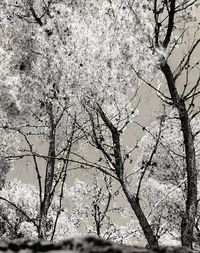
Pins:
<point x="166" y="16"/>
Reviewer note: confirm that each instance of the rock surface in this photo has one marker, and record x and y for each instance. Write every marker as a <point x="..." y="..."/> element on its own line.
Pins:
<point x="80" y="245"/>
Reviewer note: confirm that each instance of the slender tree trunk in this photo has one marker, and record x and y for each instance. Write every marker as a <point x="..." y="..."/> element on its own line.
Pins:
<point x="119" y="170"/>
<point x="50" y="168"/>
<point x="188" y="219"/>
<point x="98" y="229"/>
<point x="147" y="230"/>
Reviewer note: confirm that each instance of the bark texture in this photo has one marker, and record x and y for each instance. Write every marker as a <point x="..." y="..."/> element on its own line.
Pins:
<point x="188" y="219"/>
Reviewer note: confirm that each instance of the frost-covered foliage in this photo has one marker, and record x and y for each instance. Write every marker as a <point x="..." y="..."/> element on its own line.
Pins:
<point x="9" y="146"/>
<point x="8" y="110"/>
<point x="19" y="214"/>
<point x="99" y="212"/>
<point x="20" y="208"/>
<point x="165" y="203"/>
<point x="81" y="52"/>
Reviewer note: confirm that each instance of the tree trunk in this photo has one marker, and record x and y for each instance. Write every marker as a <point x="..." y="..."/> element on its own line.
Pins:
<point x="147" y="230"/>
<point x="188" y="219"/>
<point x="119" y="171"/>
<point x="50" y="167"/>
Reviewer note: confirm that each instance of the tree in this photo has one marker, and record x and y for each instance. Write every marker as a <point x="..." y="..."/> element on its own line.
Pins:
<point x="34" y="112"/>
<point x="161" y="45"/>
<point x="46" y="126"/>
<point x="167" y="172"/>
<point x="166" y="15"/>
<point x="48" y="129"/>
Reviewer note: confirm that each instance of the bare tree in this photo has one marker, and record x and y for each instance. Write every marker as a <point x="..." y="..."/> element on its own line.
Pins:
<point x="106" y="137"/>
<point x="166" y="16"/>
<point x="55" y="169"/>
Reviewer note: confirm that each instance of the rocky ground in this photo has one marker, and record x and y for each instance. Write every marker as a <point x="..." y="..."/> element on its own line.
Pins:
<point x="80" y="245"/>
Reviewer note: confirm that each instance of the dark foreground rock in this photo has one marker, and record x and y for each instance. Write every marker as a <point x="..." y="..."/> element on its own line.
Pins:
<point x="80" y="245"/>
